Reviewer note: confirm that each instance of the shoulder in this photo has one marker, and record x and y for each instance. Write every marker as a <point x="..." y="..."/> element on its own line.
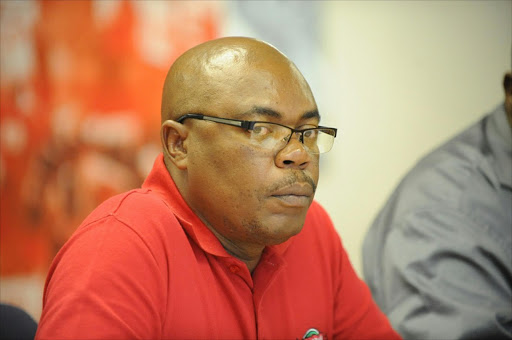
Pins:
<point x="457" y="181"/>
<point x="135" y="209"/>
<point x="131" y="204"/>
<point x="133" y="231"/>
<point x="455" y="176"/>
<point x="318" y="230"/>
<point x="138" y="218"/>
<point x="455" y="188"/>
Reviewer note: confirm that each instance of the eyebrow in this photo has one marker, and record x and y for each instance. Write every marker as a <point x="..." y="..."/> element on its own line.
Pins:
<point x="268" y="112"/>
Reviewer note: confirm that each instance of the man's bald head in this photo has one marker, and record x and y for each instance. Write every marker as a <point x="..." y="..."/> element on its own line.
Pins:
<point x="231" y="175"/>
<point x="219" y="68"/>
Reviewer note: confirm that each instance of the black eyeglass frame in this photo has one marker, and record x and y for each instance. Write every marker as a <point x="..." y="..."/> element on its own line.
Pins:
<point x="249" y="124"/>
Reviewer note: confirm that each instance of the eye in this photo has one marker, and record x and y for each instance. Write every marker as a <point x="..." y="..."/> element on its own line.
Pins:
<point x="310" y="133"/>
<point x="261" y="130"/>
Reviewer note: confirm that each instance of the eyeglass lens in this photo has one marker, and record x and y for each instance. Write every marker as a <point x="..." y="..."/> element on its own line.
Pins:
<point x="276" y="136"/>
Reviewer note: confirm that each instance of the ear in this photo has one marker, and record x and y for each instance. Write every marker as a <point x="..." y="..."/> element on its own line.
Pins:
<point x="173" y="136"/>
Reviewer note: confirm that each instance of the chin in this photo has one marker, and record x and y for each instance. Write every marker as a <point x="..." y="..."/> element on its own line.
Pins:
<point x="273" y="229"/>
<point x="279" y="233"/>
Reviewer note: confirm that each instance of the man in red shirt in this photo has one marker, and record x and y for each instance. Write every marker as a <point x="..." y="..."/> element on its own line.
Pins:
<point x="223" y="240"/>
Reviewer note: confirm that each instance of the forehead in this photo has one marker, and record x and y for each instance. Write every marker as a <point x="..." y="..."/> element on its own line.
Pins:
<point x="230" y="77"/>
<point x="260" y="113"/>
<point x="276" y="91"/>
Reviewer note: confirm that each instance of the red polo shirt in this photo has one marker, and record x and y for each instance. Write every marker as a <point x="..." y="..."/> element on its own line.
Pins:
<point x="143" y="265"/>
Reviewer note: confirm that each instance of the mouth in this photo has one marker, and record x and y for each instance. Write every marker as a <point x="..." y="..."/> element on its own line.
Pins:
<point x="294" y="201"/>
<point x="298" y="195"/>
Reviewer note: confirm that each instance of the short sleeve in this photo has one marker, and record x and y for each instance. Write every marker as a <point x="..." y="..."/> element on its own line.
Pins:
<point x="443" y="277"/>
<point x="105" y="283"/>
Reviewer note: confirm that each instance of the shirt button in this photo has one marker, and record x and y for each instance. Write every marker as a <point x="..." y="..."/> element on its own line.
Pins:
<point x="234" y="268"/>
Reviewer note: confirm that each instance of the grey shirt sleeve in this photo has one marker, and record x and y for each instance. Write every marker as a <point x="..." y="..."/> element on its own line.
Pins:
<point x="438" y="257"/>
<point x="438" y="281"/>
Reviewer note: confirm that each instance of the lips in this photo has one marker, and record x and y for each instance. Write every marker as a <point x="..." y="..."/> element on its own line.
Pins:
<point x="298" y="189"/>
<point x="296" y="195"/>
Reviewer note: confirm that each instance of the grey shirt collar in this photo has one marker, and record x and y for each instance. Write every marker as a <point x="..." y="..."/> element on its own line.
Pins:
<point x="500" y="140"/>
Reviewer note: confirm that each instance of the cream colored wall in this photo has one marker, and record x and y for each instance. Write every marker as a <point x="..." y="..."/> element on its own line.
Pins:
<point x="399" y="78"/>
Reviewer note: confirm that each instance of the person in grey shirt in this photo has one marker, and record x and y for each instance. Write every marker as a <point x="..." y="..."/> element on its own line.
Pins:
<point x="438" y="257"/>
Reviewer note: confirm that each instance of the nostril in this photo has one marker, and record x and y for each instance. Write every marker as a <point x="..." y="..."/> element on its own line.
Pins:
<point x="288" y="162"/>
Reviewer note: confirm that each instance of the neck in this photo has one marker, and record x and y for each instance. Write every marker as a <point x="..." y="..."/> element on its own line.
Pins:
<point x="250" y="261"/>
<point x="250" y="255"/>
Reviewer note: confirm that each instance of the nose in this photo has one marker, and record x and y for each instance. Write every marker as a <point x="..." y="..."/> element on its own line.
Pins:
<point x="293" y="155"/>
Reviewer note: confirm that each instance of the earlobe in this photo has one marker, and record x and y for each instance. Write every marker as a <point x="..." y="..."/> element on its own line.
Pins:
<point x="173" y="136"/>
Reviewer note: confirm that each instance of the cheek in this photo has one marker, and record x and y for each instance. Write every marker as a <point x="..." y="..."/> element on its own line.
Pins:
<point x="244" y="171"/>
<point x="230" y="176"/>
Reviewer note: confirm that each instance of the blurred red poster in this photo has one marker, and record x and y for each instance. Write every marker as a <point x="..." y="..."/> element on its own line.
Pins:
<point x="80" y="90"/>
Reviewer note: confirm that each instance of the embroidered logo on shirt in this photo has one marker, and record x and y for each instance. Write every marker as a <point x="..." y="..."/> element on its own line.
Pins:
<point x="314" y="334"/>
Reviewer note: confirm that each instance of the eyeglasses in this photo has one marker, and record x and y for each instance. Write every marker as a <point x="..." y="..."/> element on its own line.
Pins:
<point x="275" y="136"/>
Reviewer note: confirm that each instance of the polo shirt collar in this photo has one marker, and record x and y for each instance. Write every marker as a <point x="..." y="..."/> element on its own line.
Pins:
<point x="160" y="181"/>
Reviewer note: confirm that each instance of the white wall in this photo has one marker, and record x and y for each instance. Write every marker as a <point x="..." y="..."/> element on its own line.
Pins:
<point x="398" y="79"/>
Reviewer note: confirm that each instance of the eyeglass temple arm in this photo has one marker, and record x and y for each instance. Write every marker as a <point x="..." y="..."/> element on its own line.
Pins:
<point x="248" y="125"/>
<point x="191" y="116"/>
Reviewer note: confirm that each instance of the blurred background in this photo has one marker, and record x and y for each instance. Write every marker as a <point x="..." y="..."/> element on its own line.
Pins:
<point x="80" y="89"/>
